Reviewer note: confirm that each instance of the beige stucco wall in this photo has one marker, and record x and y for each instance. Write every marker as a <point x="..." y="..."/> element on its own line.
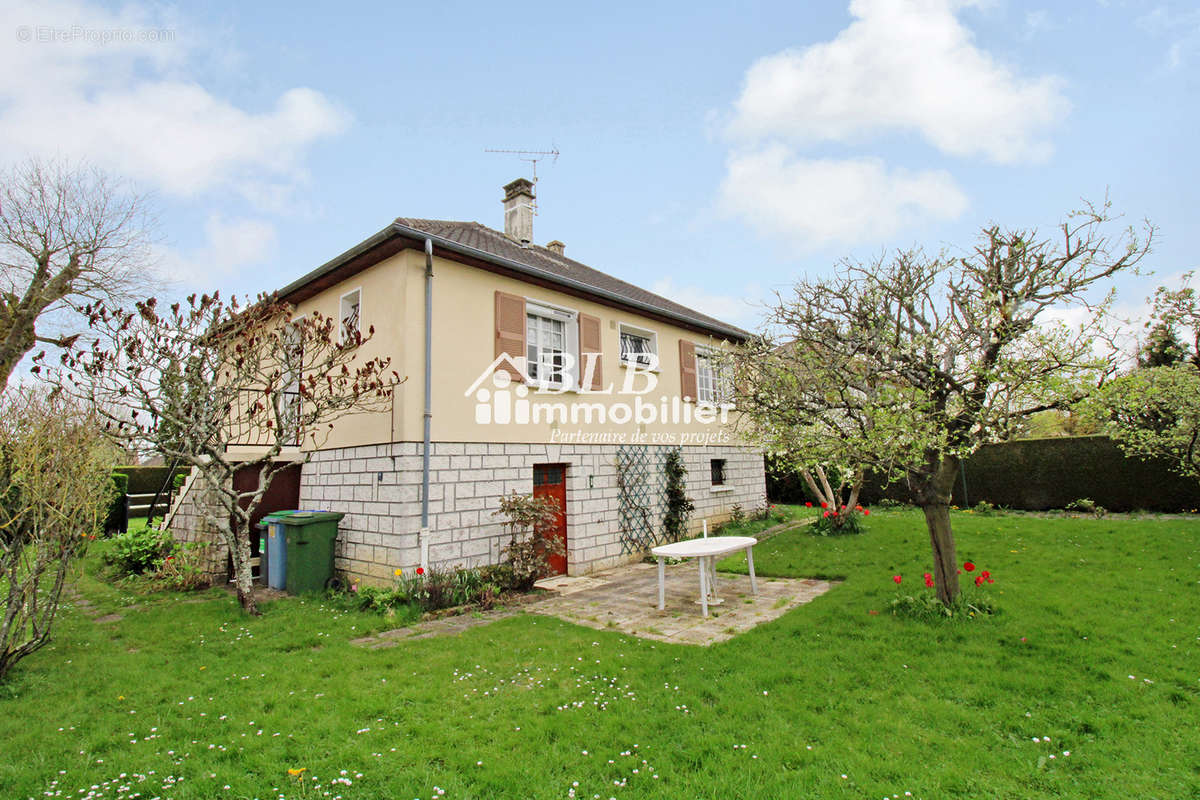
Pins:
<point x="463" y="347"/>
<point x="384" y="295"/>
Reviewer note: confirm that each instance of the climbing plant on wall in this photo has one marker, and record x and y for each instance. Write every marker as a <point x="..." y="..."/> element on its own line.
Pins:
<point x="679" y="506"/>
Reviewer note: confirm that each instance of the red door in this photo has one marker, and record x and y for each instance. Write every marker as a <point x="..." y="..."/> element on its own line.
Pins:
<point x="550" y="481"/>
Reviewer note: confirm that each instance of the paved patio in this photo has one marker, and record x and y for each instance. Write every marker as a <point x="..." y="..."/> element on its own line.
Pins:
<point x="626" y="599"/>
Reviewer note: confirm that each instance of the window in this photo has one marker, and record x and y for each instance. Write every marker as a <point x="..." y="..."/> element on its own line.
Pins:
<point x="548" y="338"/>
<point x="292" y="348"/>
<point x="639" y="347"/>
<point x="712" y="379"/>
<point x="717" y="466"/>
<point x="349" y="315"/>
<point x="547" y="474"/>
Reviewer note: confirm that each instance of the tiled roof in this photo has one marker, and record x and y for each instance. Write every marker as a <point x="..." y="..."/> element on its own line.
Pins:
<point x="495" y="243"/>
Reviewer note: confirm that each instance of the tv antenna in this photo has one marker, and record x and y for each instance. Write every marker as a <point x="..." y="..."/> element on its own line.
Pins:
<point x="533" y="157"/>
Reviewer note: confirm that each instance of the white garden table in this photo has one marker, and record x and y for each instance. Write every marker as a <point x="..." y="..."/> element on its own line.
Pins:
<point x="706" y="551"/>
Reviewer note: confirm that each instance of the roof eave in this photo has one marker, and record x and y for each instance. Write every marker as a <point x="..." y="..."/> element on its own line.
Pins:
<point x="418" y="235"/>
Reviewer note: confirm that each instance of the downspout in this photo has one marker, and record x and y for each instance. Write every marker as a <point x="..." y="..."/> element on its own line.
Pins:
<point x="424" y="544"/>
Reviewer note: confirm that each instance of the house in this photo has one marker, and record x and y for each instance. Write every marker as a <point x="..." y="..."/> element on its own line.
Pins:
<point x="527" y="371"/>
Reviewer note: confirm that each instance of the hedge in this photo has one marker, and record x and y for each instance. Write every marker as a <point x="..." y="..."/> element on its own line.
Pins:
<point x="1040" y="474"/>
<point x="118" y="507"/>
<point x="148" y="480"/>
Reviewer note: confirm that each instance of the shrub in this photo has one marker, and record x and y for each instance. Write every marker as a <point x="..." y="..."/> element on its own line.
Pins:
<point x="118" y="508"/>
<point x="499" y="575"/>
<point x="839" y="521"/>
<point x="984" y="508"/>
<point x="181" y="568"/>
<point x="1086" y="506"/>
<point x="139" y="550"/>
<point x="528" y="520"/>
<point x="434" y="589"/>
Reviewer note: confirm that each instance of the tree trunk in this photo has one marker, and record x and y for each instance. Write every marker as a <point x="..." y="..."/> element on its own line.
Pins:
<point x="945" y="557"/>
<point x="934" y="500"/>
<point x="243" y="578"/>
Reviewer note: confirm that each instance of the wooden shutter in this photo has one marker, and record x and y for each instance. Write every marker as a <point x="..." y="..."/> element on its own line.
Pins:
<point x="510" y="330"/>
<point x="687" y="369"/>
<point x="589" y="351"/>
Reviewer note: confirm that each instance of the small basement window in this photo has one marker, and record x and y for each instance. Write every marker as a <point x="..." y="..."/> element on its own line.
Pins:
<point x="351" y="325"/>
<point x="717" y="465"/>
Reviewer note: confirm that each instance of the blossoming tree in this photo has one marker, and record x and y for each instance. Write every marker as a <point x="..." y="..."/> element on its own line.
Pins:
<point x="1154" y="410"/>
<point x="271" y="379"/>
<point x="906" y="365"/>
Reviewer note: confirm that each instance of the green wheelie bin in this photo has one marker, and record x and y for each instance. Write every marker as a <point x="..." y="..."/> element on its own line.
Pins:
<point x="310" y="536"/>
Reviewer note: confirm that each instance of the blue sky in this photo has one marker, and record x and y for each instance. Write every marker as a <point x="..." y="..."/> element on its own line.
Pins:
<point x="712" y="152"/>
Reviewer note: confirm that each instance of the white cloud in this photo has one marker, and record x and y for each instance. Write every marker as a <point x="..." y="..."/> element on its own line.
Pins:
<point x="129" y="105"/>
<point x="231" y="245"/>
<point x="725" y="307"/>
<point x="1180" y="29"/>
<point x="906" y="66"/>
<point x="815" y="202"/>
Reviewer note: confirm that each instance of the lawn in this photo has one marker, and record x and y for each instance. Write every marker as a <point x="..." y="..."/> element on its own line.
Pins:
<point x="1096" y="653"/>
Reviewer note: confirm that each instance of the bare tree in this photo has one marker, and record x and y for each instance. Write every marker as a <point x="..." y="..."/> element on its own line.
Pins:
<point x="909" y="364"/>
<point x="55" y="473"/>
<point x="272" y="381"/>
<point x="69" y="235"/>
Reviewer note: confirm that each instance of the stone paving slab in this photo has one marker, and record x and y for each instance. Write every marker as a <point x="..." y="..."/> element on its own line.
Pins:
<point x="625" y="599"/>
<point x="628" y="602"/>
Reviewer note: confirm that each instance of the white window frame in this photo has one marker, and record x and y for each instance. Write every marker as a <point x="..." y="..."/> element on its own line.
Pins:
<point x="644" y="333"/>
<point x="341" y="316"/>
<point x="293" y="379"/>
<point x="570" y="321"/>
<point x="718" y="390"/>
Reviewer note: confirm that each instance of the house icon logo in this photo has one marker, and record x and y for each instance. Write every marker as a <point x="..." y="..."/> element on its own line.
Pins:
<point x="497" y="400"/>
<point x="502" y="403"/>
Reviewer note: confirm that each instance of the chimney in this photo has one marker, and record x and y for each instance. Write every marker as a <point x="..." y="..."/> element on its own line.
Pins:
<point x="557" y="247"/>
<point x="518" y="211"/>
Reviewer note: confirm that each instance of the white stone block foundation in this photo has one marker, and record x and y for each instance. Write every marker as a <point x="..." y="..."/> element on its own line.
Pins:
<point x="378" y="488"/>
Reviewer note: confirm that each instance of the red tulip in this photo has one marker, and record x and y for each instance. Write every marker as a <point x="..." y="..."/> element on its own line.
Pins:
<point x="866" y="512"/>
<point x="420" y="570"/>
<point x="808" y="505"/>
<point x="896" y="578"/>
<point x="969" y="567"/>
<point x="986" y="574"/>
<point x="989" y="580"/>
<point x="824" y="504"/>
<point x="979" y="580"/>
<point x="928" y="583"/>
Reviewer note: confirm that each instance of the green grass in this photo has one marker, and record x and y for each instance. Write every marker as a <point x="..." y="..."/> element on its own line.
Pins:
<point x="779" y="515"/>
<point x="1096" y="648"/>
